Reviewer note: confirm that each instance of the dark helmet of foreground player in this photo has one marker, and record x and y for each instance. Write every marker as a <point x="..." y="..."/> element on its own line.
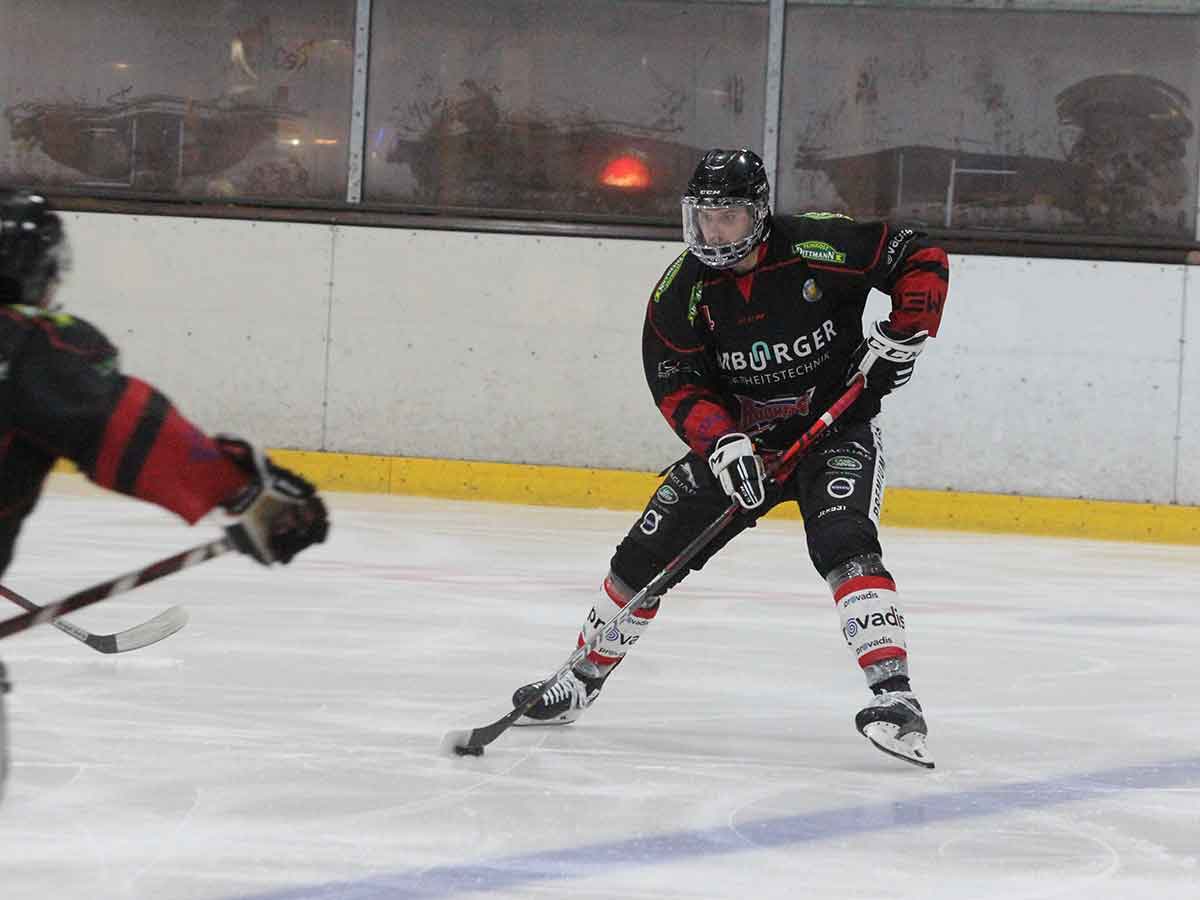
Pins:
<point x="726" y="208"/>
<point x="33" y="248"/>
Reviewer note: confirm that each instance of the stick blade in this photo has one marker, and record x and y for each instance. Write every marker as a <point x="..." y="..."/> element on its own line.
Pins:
<point x="165" y="624"/>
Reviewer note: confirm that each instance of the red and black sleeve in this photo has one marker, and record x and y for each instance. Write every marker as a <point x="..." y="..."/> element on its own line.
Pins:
<point x="916" y="273"/>
<point x="148" y="450"/>
<point x="679" y="372"/>
<point x="123" y="433"/>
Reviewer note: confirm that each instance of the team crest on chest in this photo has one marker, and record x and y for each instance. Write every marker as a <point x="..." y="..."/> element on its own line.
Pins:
<point x="758" y="415"/>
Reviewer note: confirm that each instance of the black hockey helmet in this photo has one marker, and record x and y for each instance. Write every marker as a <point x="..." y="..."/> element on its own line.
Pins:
<point x="729" y="184"/>
<point x="33" y="248"/>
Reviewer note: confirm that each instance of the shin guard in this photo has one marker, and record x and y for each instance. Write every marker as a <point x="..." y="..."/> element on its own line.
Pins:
<point x="872" y="621"/>
<point x="615" y="642"/>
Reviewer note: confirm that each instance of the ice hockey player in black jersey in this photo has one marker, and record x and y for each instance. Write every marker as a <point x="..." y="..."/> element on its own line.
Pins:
<point x="63" y="395"/>
<point x="750" y="335"/>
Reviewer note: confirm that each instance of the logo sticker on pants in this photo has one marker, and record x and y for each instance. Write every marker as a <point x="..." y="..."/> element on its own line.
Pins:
<point x="840" y="488"/>
<point x="650" y="521"/>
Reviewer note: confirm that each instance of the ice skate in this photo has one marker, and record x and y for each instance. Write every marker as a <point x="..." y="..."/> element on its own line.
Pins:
<point x="562" y="704"/>
<point x="894" y="723"/>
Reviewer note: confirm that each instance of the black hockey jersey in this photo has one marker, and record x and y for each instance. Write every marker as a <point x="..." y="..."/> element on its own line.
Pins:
<point x="62" y="394"/>
<point x="767" y="352"/>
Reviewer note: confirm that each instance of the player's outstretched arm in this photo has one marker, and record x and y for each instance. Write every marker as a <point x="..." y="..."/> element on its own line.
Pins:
<point x="127" y="436"/>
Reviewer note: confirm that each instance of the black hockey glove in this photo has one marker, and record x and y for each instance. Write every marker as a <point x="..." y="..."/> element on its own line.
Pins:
<point x="278" y="512"/>
<point x="885" y="358"/>
<point x="739" y="469"/>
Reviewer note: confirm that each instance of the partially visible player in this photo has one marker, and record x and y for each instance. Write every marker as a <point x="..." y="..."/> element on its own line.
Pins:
<point x="749" y="336"/>
<point x="63" y="396"/>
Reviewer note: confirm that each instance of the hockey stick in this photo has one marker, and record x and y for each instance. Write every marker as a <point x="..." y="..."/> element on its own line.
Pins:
<point x="165" y="624"/>
<point x="118" y="585"/>
<point x="471" y="743"/>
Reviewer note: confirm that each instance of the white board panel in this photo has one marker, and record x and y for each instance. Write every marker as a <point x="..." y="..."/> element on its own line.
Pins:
<point x="227" y="318"/>
<point x="1188" y="487"/>
<point x="495" y="347"/>
<point x="1049" y="377"/>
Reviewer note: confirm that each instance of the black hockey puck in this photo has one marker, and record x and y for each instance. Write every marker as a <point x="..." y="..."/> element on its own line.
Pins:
<point x="469" y="751"/>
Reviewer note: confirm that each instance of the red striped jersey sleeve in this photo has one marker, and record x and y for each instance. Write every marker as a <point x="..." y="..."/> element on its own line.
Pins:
<point x="919" y="293"/>
<point x="697" y="415"/>
<point x="148" y="450"/>
<point x="70" y="399"/>
<point x="678" y="363"/>
<point x="916" y="274"/>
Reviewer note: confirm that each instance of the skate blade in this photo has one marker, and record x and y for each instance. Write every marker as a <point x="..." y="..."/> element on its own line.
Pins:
<point x="526" y="722"/>
<point x="910" y="748"/>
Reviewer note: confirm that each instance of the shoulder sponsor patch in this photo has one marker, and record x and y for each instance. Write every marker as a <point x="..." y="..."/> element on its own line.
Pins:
<point x="822" y="216"/>
<point x="897" y="243"/>
<point x="819" y="251"/>
<point x="61" y="319"/>
<point x="694" y="301"/>
<point x="669" y="276"/>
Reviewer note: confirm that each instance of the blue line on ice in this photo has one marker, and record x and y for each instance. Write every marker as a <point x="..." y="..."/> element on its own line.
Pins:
<point x="804" y="828"/>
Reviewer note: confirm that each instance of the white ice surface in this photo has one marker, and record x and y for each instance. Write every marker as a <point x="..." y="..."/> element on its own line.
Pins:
<point x="284" y="745"/>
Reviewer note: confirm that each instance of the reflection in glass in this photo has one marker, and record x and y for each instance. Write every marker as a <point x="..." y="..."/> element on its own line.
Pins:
<point x="1128" y="137"/>
<point x="558" y="107"/>
<point x="1033" y="130"/>
<point x="248" y="101"/>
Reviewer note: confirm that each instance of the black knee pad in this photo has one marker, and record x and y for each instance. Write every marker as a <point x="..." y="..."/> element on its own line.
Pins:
<point x="838" y="537"/>
<point x="636" y="567"/>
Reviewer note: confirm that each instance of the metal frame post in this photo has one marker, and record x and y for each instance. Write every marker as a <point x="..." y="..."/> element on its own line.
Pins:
<point x="776" y="15"/>
<point x="358" y="102"/>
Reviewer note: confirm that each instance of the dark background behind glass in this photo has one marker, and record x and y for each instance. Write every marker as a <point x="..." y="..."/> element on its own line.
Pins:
<point x="993" y="119"/>
<point x="976" y="120"/>
<point x="521" y="106"/>
<point x="199" y="100"/>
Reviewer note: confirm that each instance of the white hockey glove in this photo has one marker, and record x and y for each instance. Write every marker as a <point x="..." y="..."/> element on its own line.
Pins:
<point x="278" y="512"/>
<point x="739" y="469"/>
<point x="885" y="358"/>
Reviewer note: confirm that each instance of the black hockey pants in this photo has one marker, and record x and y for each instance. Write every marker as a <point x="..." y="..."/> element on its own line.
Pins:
<point x="838" y="485"/>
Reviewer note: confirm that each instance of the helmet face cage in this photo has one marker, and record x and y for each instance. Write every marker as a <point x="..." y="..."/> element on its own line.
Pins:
<point x="33" y="249"/>
<point x="722" y="255"/>
<point x="726" y="179"/>
<point x="55" y="262"/>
